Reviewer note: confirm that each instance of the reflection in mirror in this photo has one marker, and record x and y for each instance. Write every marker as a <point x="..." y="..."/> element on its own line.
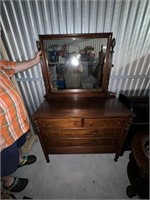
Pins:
<point x="76" y="63"/>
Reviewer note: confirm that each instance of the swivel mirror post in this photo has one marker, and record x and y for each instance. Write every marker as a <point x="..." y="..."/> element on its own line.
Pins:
<point x="113" y="43"/>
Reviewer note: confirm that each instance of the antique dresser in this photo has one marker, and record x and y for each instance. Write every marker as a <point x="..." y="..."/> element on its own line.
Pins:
<point x="79" y="114"/>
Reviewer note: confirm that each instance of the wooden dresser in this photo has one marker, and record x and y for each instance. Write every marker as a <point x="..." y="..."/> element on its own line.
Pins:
<point x="79" y="114"/>
<point x="78" y="124"/>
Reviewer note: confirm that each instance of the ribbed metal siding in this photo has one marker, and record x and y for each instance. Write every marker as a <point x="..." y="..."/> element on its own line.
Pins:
<point x="23" y="21"/>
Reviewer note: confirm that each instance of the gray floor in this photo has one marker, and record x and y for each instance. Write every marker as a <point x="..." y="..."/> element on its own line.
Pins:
<point x="82" y="176"/>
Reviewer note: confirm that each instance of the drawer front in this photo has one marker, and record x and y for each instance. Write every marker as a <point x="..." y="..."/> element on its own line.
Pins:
<point x="105" y="123"/>
<point x="60" y="123"/>
<point x="81" y="142"/>
<point x="79" y="133"/>
<point x="83" y="149"/>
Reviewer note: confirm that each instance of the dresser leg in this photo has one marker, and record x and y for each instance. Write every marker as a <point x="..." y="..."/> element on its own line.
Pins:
<point x="43" y="147"/>
<point x="47" y="158"/>
<point x="116" y="158"/>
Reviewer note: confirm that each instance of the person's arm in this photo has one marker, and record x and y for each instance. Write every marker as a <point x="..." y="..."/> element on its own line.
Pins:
<point x="2" y="143"/>
<point x="22" y="66"/>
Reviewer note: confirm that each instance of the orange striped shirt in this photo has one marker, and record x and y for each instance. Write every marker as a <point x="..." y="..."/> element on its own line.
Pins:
<point x="13" y="115"/>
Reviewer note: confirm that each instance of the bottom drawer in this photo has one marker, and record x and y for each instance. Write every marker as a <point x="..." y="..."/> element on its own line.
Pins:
<point x="59" y="142"/>
<point x="82" y="150"/>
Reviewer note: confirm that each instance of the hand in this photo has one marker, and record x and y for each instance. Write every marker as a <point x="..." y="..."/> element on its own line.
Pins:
<point x="37" y="57"/>
<point x="2" y="143"/>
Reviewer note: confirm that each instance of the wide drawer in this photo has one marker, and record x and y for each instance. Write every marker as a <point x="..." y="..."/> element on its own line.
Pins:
<point x="79" y="133"/>
<point x="81" y="142"/>
<point x="60" y="123"/>
<point x="83" y="149"/>
<point x="105" y="123"/>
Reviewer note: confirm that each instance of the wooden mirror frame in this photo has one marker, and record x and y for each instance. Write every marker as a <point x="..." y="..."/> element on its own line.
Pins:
<point x="103" y="91"/>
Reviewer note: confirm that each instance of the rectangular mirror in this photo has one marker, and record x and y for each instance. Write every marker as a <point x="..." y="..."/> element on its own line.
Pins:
<point x="76" y="62"/>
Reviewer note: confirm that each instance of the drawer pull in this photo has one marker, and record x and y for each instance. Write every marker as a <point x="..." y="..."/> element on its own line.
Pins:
<point x="90" y="124"/>
<point x="75" y="123"/>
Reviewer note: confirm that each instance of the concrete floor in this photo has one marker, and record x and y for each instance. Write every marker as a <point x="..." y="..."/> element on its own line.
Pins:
<point x="78" y="176"/>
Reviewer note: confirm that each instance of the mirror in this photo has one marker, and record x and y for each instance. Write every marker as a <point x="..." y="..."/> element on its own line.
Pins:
<point x="76" y="62"/>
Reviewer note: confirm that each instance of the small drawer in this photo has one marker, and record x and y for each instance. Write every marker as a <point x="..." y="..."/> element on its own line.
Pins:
<point x="60" y="123"/>
<point x="109" y="123"/>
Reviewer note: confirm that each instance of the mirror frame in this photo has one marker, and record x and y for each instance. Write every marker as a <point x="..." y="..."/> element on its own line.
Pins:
<point x="106" y="69"/>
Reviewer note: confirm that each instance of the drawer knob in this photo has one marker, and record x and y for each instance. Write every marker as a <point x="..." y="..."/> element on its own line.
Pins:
<point x="75" y="123"/>
<point x="90" y="124"/>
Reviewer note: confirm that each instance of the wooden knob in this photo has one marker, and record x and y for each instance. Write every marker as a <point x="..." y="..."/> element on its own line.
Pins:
<point x="75" y="123"/>
<point x="90" y="124"/>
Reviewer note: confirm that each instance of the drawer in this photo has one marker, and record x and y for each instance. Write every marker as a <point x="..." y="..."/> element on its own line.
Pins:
<point x="79" y="133"/>
<point x="60" y="123"/>
<point x="109" y="123"/>
<point x="83" y="149"/>
<point x="81" y="142"/>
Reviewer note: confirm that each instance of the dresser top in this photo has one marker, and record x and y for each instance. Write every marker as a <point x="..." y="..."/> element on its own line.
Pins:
<point x="83" y="107"/>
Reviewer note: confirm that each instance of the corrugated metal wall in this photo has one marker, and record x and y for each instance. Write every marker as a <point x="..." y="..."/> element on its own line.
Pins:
<point x="129" y="20"/>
